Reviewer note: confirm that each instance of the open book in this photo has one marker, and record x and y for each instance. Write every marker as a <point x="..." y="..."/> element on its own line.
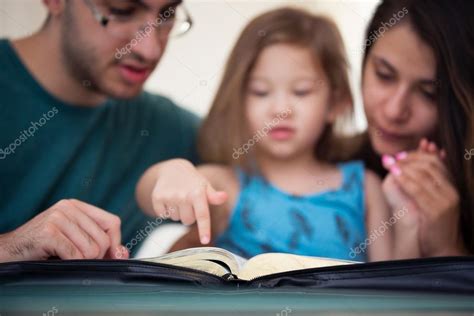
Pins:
<point x="221" y="262"/>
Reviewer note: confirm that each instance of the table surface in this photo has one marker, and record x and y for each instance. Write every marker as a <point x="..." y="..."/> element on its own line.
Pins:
<point x="169" y="299"/>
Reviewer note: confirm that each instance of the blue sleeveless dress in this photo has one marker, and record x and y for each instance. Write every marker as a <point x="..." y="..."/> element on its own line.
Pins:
<point x="326" y="224"/>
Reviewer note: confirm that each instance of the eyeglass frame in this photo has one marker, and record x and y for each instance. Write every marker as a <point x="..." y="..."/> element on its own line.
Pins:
<point x="104" y="19"/>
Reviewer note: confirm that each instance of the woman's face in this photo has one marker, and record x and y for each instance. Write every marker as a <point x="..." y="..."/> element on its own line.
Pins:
<point x="399" y="91"/>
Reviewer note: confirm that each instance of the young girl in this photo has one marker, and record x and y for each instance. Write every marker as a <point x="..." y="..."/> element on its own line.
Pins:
<point x="270" y="143"/>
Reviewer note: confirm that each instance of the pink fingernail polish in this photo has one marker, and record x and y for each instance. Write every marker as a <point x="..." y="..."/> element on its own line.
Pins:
<point x="401" y="155"/>
<point x="395" y="170"/>
<point x="388" y="161"/>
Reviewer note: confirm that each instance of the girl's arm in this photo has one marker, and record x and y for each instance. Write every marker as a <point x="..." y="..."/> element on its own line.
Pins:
<point x="222" y="178"/>
<point x="175" y="189"/>
<point x="378" y="220"/>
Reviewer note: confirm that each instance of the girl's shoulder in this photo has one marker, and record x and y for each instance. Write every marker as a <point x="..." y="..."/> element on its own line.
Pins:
<point x="352" y="169"/>
<point x="369" y="177"/>
<point x="368" y="182"/>
<point x="353" y="165"/>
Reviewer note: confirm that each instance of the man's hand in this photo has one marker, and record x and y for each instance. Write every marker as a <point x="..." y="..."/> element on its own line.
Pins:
<point x="70" y="229"/>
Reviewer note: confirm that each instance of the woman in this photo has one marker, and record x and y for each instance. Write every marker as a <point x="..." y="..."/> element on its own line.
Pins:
<point x="418" y="82"/>
<point x="417" y="87"/>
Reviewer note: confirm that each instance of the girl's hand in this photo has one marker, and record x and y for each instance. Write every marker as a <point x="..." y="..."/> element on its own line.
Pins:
<point x="180" y="192"/>
<point x="427" y="192"/>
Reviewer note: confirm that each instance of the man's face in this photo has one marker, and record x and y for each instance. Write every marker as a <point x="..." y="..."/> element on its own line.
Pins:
<point x="108" y="60"/>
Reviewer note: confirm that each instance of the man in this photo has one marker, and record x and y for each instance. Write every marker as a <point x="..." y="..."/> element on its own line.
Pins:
<point x="77" y="131"/>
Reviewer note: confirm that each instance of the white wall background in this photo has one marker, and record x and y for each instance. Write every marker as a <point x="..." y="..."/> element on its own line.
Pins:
<point x="192" y="66"/>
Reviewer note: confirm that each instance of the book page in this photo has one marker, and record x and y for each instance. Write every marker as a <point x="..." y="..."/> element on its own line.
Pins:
<point x="202" y="265"/>
<point x="270" y="263"/>
<point x="209" y="259"/>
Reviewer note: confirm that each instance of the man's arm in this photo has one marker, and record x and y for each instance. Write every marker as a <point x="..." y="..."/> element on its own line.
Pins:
<point x="70" y="229"/>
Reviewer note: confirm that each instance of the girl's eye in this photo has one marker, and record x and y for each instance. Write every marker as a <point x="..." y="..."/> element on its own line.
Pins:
<point x="301" y="93"/>
<point x="259" y="93"/>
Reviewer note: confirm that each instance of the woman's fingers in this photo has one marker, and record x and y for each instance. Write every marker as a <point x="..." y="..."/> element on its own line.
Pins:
<point x="423" y="145"/>
<point x="435" y="179"/>
<point x="429" y="187"/>
<point x="410" y="181"/>
<point x="443" y="154"/>
<point x="425" y="179"/>
<point x="432" y="161"/>
<point x="429" y="180"/>
<point x="432" y="148"/>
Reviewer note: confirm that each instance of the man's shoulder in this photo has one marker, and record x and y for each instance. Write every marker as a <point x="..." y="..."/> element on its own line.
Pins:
<point x="9" y="62"/>
<point x="4" y="46"/>
<point x="159" y="115"/>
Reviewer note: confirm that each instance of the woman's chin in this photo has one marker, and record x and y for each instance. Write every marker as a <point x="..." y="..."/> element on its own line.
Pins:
<point x="387" y="148"/>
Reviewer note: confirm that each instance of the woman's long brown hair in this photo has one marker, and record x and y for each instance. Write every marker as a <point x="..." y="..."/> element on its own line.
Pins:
<point x="448" y="28"/>
<point x="225" y="127"/>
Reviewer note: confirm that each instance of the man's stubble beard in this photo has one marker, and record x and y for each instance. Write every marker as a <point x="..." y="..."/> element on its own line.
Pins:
<point x="81" y="58"/>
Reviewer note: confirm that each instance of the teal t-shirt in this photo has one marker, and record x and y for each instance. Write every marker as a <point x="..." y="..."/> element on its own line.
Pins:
<point x="50" y="150"/>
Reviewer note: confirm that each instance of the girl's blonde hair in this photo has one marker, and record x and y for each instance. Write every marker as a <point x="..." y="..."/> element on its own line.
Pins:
<point x="225" y="128"/>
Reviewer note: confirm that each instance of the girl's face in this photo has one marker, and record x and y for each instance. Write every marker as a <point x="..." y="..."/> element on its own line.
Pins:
<point x="399" y="91"/>
<point x="287" y="101"/>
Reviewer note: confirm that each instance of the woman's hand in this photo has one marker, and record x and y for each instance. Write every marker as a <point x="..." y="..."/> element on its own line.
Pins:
<point x="175" y="189"/>
<point x="422" y="184"/>
<point x="406" y="228"/>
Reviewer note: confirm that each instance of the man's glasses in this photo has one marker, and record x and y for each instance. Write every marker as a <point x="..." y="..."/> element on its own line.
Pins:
<point x="125" y="19"/>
